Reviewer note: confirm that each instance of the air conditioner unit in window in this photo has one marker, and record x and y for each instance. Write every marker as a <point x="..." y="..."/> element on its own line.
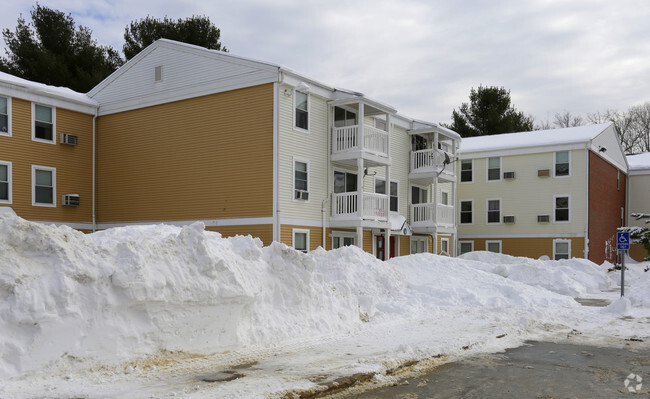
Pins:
<point x="71" y="200"/>
<point x="69" y="139"/>
<point x="508" y="219"/>
<point x="508" y="175"/>
<point x="543" y="218"/>
<point x="544" y="172"/>
<point x="302" y="195"/>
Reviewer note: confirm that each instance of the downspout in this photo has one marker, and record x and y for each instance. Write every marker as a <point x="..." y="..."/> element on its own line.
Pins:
<point x="330" y="125"/>
<point x="586" y="251"/>
<point x="94" y="224"/>
<point x="276" y="158"/>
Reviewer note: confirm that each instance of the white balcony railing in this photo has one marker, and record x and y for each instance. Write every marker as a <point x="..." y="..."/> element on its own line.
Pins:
<point x="375" y="206"/>
<point x="347" y="138"/>
<point x="430" y="160"/>
<point x="422" y="214"/>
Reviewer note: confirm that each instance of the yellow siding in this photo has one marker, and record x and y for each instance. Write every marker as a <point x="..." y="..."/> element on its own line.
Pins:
<point x="315" y="235"/>
<point x="73" y="164"/>
<point x="530" y="247"/>
<point x="263" y="231"/>
<point x="204" y="157"/>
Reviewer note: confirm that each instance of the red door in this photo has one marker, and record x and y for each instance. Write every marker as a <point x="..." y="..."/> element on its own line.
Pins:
<point x="381" y="247"/>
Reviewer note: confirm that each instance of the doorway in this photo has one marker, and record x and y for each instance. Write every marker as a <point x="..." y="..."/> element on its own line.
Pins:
<point x="380" y="242"/>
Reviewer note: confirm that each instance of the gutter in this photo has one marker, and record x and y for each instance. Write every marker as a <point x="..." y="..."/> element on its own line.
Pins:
<point x="94" y="224"/>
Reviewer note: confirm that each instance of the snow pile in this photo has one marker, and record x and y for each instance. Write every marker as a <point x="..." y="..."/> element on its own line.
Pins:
<point x="574" y="277"/>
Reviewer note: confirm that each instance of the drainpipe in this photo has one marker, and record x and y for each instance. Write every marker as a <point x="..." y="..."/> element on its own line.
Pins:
<point x="94" y="227"/>
<point x="586" y="251"/>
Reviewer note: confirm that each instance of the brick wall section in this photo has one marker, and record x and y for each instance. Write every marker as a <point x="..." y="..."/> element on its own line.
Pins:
<point x="605" y="203"/>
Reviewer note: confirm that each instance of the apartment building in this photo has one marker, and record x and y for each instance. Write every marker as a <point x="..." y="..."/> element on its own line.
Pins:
<point x="638" y="197"/>
<point x="181" y="134"/>
<point x="557" y="193"/>
<point x="46" y="152"/>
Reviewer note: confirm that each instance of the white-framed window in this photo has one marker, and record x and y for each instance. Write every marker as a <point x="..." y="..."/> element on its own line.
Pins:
<point x="344" y="117"/>
<point x="419" y="143"/>
<point x="444" y="246"/>
<point x="493" y="246"/>
<point x="494" y="211"/>
<point x="466" y="170"/>
<point x="562" y="164"/>
<point x="380" y="188"/>
<point x="5" y="116"/>
<point x="344" y="182"/>
<point x="444" y="197"/>
<point x="342" y="239"/>
<point x="300" y="179"/>
<point x="465" y="247"/>
<point x="561" y="206"/>
<point x="561" y="249"/>
<point x="466" y="207"/>
<point x="494" y="169"/>
<point x="301" y="110"/>
<point x="43" y="186"/>
<point x="419" y="245"/>
<point x="419" y="195"/>
<point x="43" y="123"/>
<point x="301" y="240"/>
<point x="5" y="182"/>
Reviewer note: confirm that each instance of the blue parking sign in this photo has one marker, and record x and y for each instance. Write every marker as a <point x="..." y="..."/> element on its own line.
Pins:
<point x="622" y="240"/>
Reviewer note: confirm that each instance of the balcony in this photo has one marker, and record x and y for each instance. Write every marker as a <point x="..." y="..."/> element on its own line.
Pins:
<point x="344" y="207"/>
<point x="348" y="143"/>
<point x="423" y="216"/>
<point x="430" y="162"/>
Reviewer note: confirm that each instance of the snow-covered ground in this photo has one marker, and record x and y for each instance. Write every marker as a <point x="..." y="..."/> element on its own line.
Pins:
<point x="160" y="311"/>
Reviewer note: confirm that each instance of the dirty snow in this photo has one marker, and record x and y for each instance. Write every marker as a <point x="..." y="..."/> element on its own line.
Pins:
<point x="150" y="311"/>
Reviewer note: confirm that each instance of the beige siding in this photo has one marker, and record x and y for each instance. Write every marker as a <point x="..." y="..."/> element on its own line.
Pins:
<point x="639" y="197"/>
<point x="73" y="164"/>
<point x="205" y="157"/>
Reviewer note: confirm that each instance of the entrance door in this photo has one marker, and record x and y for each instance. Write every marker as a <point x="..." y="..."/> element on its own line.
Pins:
<point x="381" y="247"/>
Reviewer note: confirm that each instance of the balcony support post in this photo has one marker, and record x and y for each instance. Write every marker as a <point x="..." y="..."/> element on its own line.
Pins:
<point x="387" y="242"/>
<point x="435" y="209"/>
<point x="360" y="176"/>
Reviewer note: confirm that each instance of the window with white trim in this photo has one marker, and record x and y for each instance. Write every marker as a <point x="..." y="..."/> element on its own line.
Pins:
<point x="562" y="204"/>
<point x="300" y="179"/>
<point x="562" y="164"/>
<point x="5" y="116"/>
<point x="493" y="246"/>
<point x="444" y="197"/>
<point x="43" y="123"/>
<point x="301" y="240"/>
<point x="419" y="195"/>
<point x="380" y="188"/>
<point x="561" y="249"/>
<point x="342" y="239"/>
<point x="301" y="113"/>
<point x="419" y="245"/>
<point x="5" y="182"/>
<point x="345" y="182"/>
<point x="43" y="186"/>
<point x="344" y="117"/>
<point x="444" y="246"/>
<point x="465" y="247"/>
<point x="494" y="211"/>
<point x="466" y="211"/>
<point x="466" y="170"/>
<point x="494" y="169"/>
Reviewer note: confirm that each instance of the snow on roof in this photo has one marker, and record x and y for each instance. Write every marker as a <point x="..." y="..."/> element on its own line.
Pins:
<point x="536" y="138"/>
<point x="639" y="161"/>
<point x="40" y="88"/>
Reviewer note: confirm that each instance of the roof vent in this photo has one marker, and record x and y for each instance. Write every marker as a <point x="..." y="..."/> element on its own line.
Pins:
<point x="157" y="74"/>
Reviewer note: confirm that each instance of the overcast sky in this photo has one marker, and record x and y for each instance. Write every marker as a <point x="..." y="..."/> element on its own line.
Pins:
<point x="421" y="56"/>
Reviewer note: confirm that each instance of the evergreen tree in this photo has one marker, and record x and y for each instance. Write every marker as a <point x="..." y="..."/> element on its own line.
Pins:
<point x="196" y="30"/>
<point x="489" y="112"/>
<point x="53" y="50"/>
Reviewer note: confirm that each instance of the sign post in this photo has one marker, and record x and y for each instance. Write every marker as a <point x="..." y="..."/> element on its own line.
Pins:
<point x="622" y="245"/>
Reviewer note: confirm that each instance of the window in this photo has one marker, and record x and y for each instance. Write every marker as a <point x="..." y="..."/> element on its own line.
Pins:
<point x="344" y="117"/>
<point x="43" y="186"/>
<point x="345" y="182"/>
<point x="466" y="166"/>
<point x="562" y="163"/>
<point x="466" y="212"/>
<point x="618" y="179"/>
<point x="301" y="240"/>
<point x="561" y="208"/>
<point x="300" y="179"/>
<point x="494" y="211"/>
<point x="493" y="246"/>
<point x="43" y="123"/>
<point x="444" y="197"/>
<point x="5" y="112"/>
<point x="418" y="143"/>
<point x="444" y="246"/>
<point x="419" y="245"/>
<point x="561" y="249"/>
<point x="380" y="188"/>
<point x="5" y="182"/>
<point x="465" y="246"/>
<point x="494" y="168"/>
<point x="301" y="104"/>
<point x="342" y="239"/>
<point x="157" y="73"/>
<point x="419" y="195"/>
